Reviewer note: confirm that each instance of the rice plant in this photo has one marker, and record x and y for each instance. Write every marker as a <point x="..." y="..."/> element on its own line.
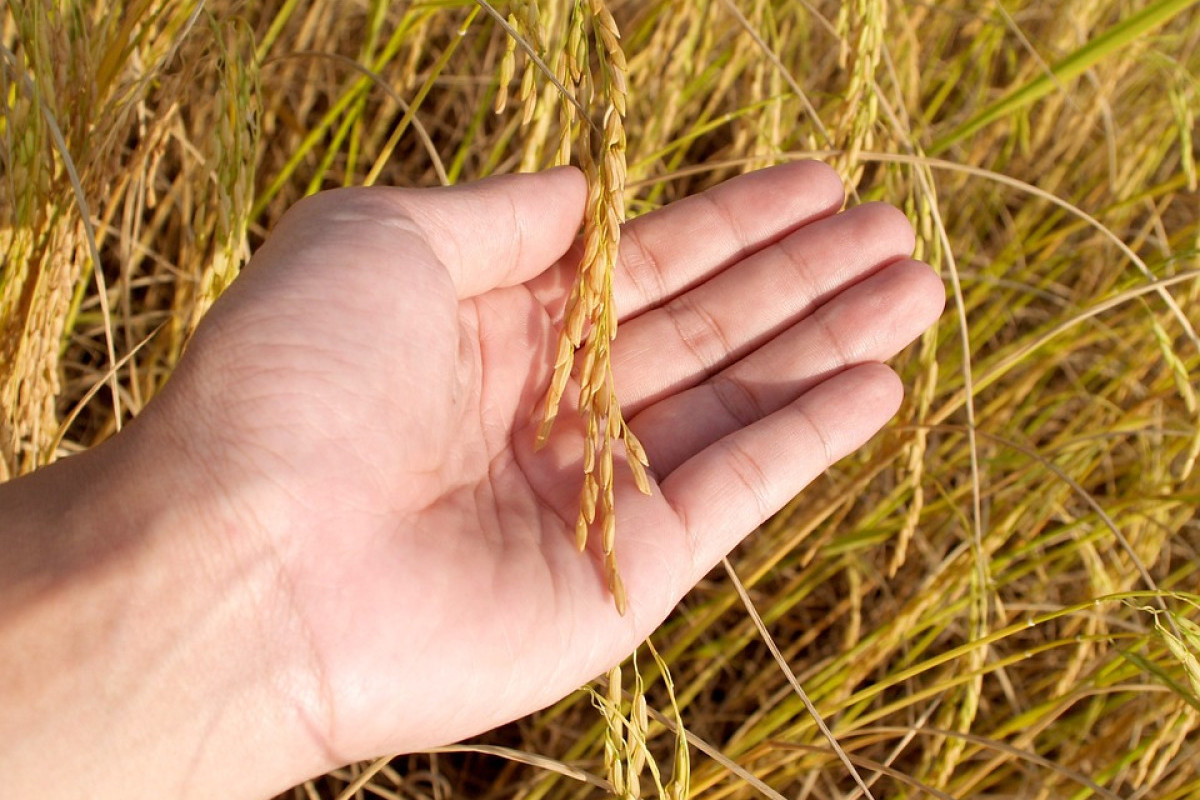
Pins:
<point x="998" y="597"/>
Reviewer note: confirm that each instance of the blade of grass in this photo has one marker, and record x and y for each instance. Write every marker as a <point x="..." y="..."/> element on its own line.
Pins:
<point x="1121" y="35"/>
<point x="791" y="678"/>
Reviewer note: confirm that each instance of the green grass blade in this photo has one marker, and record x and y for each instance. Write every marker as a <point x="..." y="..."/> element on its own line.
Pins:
<point x="1071" y="67"/>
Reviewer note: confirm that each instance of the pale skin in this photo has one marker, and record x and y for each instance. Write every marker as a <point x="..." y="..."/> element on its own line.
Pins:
<point x="330" y="537"/>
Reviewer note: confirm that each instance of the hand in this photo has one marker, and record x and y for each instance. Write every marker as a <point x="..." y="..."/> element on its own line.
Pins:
<point x="354" y="424"/>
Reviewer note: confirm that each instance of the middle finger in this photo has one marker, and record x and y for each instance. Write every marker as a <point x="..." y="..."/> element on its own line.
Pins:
<point x="679" y="344"/>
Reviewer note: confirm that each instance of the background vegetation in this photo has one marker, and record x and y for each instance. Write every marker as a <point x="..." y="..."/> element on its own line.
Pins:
<point x="996" y="598"/>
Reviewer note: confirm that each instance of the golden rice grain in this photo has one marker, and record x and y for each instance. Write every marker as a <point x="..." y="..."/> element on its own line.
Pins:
<point x="590" y="317"/>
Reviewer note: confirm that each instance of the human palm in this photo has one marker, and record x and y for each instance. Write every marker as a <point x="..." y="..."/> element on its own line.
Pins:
<point x="366" y="394"/>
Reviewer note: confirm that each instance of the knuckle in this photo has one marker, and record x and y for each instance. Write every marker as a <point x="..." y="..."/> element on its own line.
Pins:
<point x="699" y="332"/>
<point x="739" y="402"/>
<point x="749" y="473"/>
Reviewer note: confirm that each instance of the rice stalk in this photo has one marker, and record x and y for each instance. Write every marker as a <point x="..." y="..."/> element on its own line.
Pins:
<point x="1132" y="29"/>
<point x="590" y="318"/>
<point x="235" y="140"/>
<point x="860" y="29"/>
<point x="1074" y="232"/>
<point x="52" y="243"/>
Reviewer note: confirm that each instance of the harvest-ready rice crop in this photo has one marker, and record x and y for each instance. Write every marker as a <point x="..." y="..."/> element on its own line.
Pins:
<point x="999" y="596"/>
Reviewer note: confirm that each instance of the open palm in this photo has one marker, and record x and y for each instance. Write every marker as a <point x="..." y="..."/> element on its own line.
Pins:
<point x="366" y="395"/>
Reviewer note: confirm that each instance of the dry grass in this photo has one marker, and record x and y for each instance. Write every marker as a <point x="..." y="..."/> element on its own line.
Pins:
<point x="996" y="598"/>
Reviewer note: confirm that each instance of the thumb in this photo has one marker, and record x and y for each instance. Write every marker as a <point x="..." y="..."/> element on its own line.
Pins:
<point x="500" y="231"/>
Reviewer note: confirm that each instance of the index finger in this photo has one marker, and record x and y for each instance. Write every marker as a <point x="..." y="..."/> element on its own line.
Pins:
<point x="668" y="251"/>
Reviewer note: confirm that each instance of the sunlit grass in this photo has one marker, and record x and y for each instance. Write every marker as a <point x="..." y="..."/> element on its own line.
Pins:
<point x="996" y="597"/>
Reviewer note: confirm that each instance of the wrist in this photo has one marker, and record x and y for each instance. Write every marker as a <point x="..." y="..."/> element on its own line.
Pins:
<point x="142" y="635"/>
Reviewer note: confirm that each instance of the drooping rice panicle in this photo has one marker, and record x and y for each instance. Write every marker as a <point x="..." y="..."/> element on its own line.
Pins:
<point x="595" y="64"/>
<point x="997" y="127"/>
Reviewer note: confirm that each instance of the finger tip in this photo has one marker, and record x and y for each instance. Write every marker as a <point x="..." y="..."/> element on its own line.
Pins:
<point x="563" y="194"/>
<point x="568" y="182"/>
<point x="823" y="180"/>
<point x="892" y="225"/>
<point x="817" y="182"/>
<point x="931" y="294"/>
<point x="878" y="387"/>
<point x="923" y="289"/>
<point x="566" y="172"/>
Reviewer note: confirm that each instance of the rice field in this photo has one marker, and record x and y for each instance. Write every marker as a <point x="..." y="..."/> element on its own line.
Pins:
<point x="998" y="597"/>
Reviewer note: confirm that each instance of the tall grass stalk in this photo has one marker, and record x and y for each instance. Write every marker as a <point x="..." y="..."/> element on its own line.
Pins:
<point x="998" y="596"/>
